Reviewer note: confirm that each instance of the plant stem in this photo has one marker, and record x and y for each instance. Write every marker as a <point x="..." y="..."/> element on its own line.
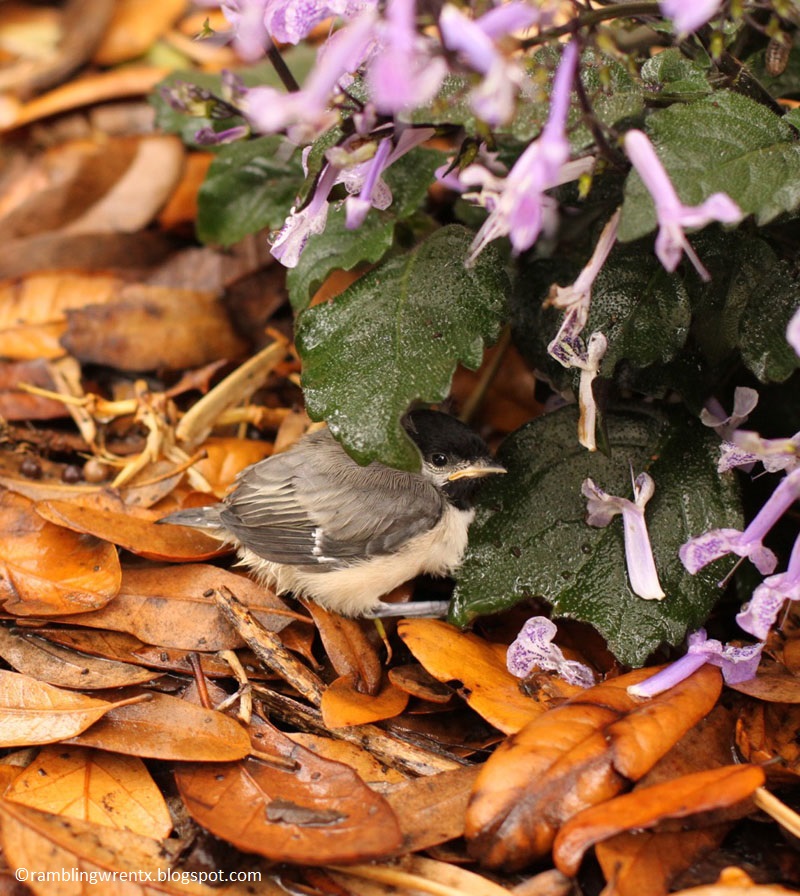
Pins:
<point x="282" y="69"/>
<point x="594" y="17"/>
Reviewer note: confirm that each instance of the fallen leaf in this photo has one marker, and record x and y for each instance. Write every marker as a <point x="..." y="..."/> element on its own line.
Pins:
<point x="115" y="791"/>
<point x="153" y="327"/>
<point x="46" y="569"/>
<point x="647" y="861"/>
<point x="168" y="728"/>
<point x="766" y="733"/>
<point x="689" y="795"/>
<point x="349" y="649"/>
<point x="133" y="29"/>
<point x="134" y="80"/>
<point x="66" y="668"/>
<point x="169" y="606"/>
<point x="317" y="814"/>
<point x="577" y="755"/>
<point x="419" y="874"/>
<point x="136" y="533"/>
<point x="343" y="706"/>
<point x="431" y="809"/>
<point x="33" y="713"/>
<point x="49" y="844"/>
<point x="490" y="689"/>
<point x="226" y="458"/>
<point x="364" y="764"/>
<point x="734" y="882"/>
<point x="125" y="648"/>
<point x="418" y="682"/>
<point x="137" y="195"/>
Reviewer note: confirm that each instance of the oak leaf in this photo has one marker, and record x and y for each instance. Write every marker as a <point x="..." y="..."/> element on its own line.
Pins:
<point x="577" y="755"/>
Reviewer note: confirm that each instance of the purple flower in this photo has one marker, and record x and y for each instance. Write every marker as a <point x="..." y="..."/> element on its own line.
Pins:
<point x="672" y="215"/>
<point x="474" y="41"/>
<point x="575" y="299"/>
<point x="758" y="615"/>
<point x="703" y="549"/>
<point x="404" y="73"/>
<point x="738" y="664"/>
<point x="713" y="414"/>
<point x="774" y="454"/>
<point x="362" y="181"/>
<point x="306" y="112"/>
<point x="602" y="508"/>
<point x="250" y="38"/>
<point x="517" y="206"/>
<point x="533" y="649"/>
<point x="793" y="332"/>
<point x="291" y="239"/>
<point x="689" y="15"/>
<point x="289" y="21"/>
<point x="571" y="353"/>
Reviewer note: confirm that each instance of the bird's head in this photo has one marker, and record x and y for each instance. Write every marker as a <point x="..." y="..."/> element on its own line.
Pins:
<point x="454" y="458"/>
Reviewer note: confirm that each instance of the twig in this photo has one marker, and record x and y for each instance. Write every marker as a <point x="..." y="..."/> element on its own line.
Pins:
<point x="389" y="750"/>
<point x="787" y="818"/>
<point x="268" y="647"/>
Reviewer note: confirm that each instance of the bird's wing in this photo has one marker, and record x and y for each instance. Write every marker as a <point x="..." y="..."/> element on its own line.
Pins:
<point x="319" y="509"/>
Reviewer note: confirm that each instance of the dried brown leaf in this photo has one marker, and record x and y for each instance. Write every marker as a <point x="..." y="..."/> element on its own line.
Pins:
<point x="575" y="756"/>
<point x="349" y="649"/>
<point x="33" y="713"/>
<point x="451" y="655"/>
<point x="153" y="327"/>
<point x="343" y="706"/>
<point x="319" y="813"/>
<point x="135" y="532"/>
<point x="648" y="861"/>
<point x="168" y="728"/>
<point x="133" y="80"/>
<point x="431" y="809"/>
<point x="49" y="844"/>
<point x="114" y="791"/>
<point x="134" y="27"/>
<point x="46" y="569"/>
<point x="169" y="606"/>
<point x="701" y="792"/>
<point x="66" y="668"/>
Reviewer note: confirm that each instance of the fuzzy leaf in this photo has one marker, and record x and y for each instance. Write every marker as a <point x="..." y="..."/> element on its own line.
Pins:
<point x="343" y="249"/>
<point x="396" y="335"/>
<point x="249" y="186"/>
<point x="723" y="143"/>
<point x="531" y="538"/>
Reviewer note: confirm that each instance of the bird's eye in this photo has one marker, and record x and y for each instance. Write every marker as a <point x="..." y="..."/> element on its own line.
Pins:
<point x="439" y="460"/>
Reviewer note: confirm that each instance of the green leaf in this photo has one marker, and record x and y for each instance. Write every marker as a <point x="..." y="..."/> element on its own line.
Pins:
<point x="670" y="75"/>
<point x="642" y="310"/>
<point x="746" y="306"/>
<point x="339" y="248"/>
<point x="250" y="185"/>
<point x="724" y="143"/>
<point x="531" y="539"/>
<point x="299" y="59"/>
<point x="395" y="336"/>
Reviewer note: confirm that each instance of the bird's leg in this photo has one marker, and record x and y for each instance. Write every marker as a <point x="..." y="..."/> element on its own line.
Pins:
<point x="413" y="608"/>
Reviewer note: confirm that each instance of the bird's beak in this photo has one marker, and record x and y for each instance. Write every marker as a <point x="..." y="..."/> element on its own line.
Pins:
<point x="478" y="470"/>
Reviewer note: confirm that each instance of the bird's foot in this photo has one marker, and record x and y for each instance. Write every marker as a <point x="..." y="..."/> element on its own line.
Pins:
<point x="413" y="608"/>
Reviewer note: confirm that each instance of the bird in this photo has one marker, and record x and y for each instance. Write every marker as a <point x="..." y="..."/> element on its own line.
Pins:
<point x="311" y="521"/>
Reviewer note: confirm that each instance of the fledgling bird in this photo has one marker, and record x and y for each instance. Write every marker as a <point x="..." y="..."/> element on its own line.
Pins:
<point x="313" y="522"/>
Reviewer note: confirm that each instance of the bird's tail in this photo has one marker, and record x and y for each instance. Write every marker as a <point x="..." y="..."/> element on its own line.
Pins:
<point x="206" y="518"/>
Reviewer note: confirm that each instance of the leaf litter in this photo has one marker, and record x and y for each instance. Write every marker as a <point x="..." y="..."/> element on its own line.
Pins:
<point x="160" y="710"/>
